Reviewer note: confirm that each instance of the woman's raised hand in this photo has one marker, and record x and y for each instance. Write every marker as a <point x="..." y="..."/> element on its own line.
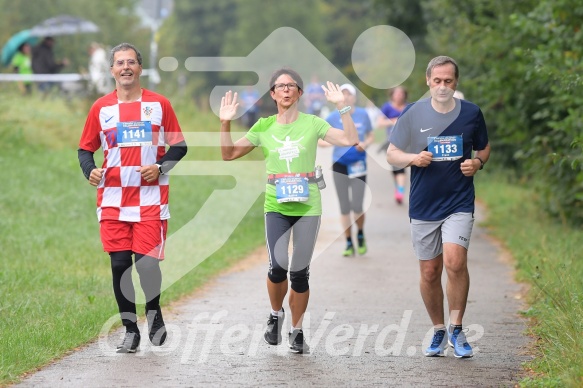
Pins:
<point x="229" y="106"/>
<point x="333" y="93"/>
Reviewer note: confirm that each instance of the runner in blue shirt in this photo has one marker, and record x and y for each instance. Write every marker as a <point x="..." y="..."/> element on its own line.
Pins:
<point x="349" y="167"/>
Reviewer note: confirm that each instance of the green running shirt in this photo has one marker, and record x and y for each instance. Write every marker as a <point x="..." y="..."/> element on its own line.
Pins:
<point x="290" y="148"/>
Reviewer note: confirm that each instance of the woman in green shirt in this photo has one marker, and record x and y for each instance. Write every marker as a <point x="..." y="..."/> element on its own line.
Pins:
<point x="289" y="141"/>
<point x="21" y="63"/>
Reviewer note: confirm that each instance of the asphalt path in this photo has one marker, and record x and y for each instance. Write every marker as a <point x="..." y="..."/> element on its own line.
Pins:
<point x="366" y="322"/>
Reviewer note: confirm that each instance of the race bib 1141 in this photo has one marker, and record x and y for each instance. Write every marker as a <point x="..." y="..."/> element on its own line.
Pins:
<point x="134" y="133"/>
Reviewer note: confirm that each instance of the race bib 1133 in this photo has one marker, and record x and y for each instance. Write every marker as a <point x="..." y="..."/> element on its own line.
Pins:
<point x="445" y="148"/>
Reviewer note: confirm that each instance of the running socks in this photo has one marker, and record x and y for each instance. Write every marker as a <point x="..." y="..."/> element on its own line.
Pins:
<point x="453" y="327"/>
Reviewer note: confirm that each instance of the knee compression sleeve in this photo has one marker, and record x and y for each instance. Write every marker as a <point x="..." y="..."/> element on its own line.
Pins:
<point x="277" y="274"/>
<point x="299" y="280"/>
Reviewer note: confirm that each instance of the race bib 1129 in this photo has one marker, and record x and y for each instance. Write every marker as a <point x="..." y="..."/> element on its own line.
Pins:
<point x="292" y="189"/>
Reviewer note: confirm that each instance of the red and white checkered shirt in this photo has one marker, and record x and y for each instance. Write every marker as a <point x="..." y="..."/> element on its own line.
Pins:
<point x="122" y="194"/>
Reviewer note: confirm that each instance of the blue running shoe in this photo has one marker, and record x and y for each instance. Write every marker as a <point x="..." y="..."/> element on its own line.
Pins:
<point x="438" y="344"/>
<point x="461" y="347"/>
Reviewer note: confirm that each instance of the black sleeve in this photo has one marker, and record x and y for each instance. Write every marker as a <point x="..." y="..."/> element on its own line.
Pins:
<point x="174" y="154"/>
<point x="86" y="161"/>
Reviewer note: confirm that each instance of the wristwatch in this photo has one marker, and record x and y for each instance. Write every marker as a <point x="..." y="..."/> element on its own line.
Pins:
<point x="481" y="162"/>
<point x="162" y="172"/>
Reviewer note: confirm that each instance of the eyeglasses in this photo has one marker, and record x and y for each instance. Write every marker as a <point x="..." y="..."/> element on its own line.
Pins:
<point x="290" y="86"/>
<point x="120" y="62"/>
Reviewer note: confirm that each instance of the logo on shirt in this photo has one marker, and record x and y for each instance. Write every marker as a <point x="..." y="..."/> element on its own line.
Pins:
<point x="425" y="130"/>
<point x="289" y="150"/>
<point x="147" y="111"/>
<point x="110" y="138"/>
<point x="106" y="120"/>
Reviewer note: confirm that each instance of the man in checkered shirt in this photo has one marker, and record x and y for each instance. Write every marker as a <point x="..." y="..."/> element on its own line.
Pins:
<point x="133" y="126"/>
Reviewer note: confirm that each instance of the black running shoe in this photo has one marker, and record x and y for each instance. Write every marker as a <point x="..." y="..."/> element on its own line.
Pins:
<point x="130" y="343"/>
<point x="156" y="327"/>
<point x="273" y="332"/>
<point x="297" y="342"/>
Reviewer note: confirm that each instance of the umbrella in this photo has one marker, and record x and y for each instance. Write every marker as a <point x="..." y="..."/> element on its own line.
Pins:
<point x="63" y="25"/>
<point x="12" y="45"/>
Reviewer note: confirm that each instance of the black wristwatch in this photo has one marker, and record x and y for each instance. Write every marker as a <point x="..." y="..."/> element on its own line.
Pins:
<point x="162" y="172"/>
<point x="476" y="157"/>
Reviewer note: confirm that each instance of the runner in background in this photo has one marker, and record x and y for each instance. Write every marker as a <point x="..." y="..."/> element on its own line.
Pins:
<point x="349" y="167"/>
<point x="391" y="111"/>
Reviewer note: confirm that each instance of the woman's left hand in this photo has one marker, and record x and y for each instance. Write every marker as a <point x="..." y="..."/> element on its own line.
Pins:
<point x="334" y="94"/>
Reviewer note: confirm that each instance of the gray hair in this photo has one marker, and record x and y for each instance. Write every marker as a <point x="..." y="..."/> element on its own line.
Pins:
<point x="124" y="47"/>
<point x="440" y="61"/>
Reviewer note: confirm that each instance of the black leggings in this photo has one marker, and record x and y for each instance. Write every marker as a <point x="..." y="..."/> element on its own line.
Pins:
<point x="350" y="190"/>
<point x="278" y="228"/>
<point x="123" y="287"/>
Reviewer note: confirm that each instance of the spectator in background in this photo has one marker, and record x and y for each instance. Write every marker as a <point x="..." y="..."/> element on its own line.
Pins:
<point x="250" y="101"/>
<point x="100" y="77"/>
<point x="22" y="64"/>
<point x="43" y="61"/>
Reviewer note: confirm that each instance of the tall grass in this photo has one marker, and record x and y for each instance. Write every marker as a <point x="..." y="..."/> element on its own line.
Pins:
<point x="55" y="281"/>
<point x="549" y="257"/>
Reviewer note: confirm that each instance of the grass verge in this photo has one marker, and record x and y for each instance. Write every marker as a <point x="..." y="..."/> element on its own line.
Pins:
<point x="547" y="256"/>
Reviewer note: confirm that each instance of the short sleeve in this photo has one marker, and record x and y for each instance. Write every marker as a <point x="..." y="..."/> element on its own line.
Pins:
<point x="172" y="132"/>
<point x="480" y="140"/>
<point x="253" y="134"/>
<point x="90" y="140"/>
<point x="321" y="127"/>
<point x="367" y="123"/>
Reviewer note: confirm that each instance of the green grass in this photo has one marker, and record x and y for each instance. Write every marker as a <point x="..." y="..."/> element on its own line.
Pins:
<point x="55" y="281"/>
<point x="548" y="257"/>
